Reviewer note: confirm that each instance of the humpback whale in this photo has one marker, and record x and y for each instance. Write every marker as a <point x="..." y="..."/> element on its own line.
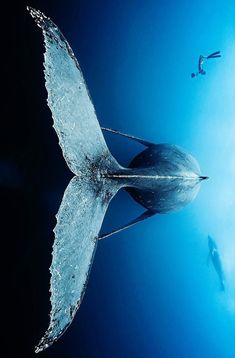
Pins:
<point x="162" y="178"/>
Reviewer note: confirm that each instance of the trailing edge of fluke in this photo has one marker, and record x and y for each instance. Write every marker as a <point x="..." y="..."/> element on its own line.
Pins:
<point x="162" y="178"/>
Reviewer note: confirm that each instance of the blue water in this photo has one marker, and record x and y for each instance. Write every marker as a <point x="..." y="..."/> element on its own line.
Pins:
<point x="151" y="292"/>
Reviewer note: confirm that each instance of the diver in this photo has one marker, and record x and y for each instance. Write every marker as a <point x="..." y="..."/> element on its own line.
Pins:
<point x="215" y="258"/>
<point x="201" y="60"/>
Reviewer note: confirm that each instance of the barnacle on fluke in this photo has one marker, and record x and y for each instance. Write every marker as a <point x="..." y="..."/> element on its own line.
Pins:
<point x="162" y="178"/>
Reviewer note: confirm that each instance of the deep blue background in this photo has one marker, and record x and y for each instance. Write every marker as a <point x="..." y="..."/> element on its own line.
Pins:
<point x="151" y="293"/>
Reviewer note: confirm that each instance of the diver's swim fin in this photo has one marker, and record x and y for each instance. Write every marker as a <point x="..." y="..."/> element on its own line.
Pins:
<point x="141" y="141"/>
<point x="214" y="54"/>
<point x="147" y="214"/>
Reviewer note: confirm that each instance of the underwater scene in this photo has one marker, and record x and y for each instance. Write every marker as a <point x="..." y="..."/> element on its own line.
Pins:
<point x="118" y="167"/>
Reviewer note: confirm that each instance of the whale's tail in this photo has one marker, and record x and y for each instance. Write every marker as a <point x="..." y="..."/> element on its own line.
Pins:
<point x="88" y="194"/>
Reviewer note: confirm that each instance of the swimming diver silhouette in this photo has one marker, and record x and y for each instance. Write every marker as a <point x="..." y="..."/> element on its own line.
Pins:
<point x="201" y="60"/>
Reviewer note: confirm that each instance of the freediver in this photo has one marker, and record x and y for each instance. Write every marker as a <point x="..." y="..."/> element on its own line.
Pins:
<point x="214" y="256"/>
<point x="201" y="60"/>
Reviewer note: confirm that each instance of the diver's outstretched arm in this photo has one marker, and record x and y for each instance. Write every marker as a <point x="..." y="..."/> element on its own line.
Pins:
<point x="142" y="141"/>
<point x="147" y="214"/>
